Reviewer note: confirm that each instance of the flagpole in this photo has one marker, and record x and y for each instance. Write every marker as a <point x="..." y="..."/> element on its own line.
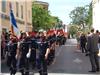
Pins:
<point x="26" y="16"/>
<point x="11" y="27"/>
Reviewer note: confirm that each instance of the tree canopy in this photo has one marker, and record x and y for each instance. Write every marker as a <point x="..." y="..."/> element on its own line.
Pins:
<point x="79" y="15"/>
<point x="41" y="18"/>
<point x="82" y="16"/>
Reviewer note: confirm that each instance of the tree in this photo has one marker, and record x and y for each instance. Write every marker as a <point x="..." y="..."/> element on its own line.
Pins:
<point x="54" y="21"/>
<point x="41" y="18"/>
<point x="82" y="16"/>
<point x="79" y="15"/>
<point x="73" y="30"/>
<point x="58" y="23"/>
<point x="89" y="17"/>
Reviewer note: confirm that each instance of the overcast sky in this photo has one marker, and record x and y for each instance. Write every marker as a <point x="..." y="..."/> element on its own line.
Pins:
<point x="62" y="8"/>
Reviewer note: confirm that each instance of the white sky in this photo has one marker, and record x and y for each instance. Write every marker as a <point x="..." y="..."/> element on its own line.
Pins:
<point x="62" y="8"/>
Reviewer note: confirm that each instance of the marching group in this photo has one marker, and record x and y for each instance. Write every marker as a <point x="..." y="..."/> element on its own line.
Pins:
<point x="30" y="51"/>
<point x="90" y="45"/>
<point x="38" y="51"/>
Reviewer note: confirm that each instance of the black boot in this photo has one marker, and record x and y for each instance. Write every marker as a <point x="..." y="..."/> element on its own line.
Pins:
<point x="14" y="71"/>
<point x="22" y="72"/>
<point x="40" y="72"/>
<point x="26" y="73"/>
<point x="97" y="69"/>
<point x="11" y="73"/>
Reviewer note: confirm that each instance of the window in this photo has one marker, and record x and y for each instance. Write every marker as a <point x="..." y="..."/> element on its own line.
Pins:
<point x="21" y="11"/>
<point x="17" y="8"/>
<point x="29" y="14"/>
<point x="3" y="5"/>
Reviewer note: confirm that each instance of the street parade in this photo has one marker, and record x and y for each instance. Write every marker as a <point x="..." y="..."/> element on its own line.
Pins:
<point x="32" y="50"/>
<point x="50" y="37"/>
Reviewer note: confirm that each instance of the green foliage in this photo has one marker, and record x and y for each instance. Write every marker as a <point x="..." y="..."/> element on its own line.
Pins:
<point x="58" y="23"/>
<point x="78" y="15"/>
<point x="41" y="18"/>
<point x="89" y="17"/>
<point x="73" y="30"/>
<point x="82" y="16"/>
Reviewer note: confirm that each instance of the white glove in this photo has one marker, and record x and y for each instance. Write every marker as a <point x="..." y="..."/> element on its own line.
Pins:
<point x="46" y="57"/>
<point x="6" y="54"/>
<point x="16" y="56"/>
<point x="28" y="54"/>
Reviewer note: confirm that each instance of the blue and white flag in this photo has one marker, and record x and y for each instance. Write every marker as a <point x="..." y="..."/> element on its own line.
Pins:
<point x="13" y="22"/>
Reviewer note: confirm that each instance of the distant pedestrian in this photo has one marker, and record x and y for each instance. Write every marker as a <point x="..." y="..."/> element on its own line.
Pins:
<point x="99" y="41"/>
<point x="78" y="40"/>
<point x="92" y="47"/>
<point x="83" y="41"/>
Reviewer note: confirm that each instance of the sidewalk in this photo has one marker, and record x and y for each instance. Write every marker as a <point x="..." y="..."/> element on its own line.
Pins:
<point x="51" y="74"/>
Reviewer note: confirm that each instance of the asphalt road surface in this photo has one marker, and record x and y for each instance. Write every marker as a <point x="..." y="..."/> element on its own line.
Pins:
<point x="69" y="61"/>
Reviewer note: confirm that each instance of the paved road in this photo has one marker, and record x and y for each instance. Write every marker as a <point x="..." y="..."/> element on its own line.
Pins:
<point x="69" y="61"/>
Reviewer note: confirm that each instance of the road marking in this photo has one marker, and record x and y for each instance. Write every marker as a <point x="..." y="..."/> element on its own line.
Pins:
<point x="77" y="60"/>
<point x="58" y="53"/>
<point x="78" y="51"/>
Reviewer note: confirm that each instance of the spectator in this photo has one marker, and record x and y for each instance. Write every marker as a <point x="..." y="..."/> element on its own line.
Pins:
<point x="92" y="47"/>
<point x="83" y="41"/>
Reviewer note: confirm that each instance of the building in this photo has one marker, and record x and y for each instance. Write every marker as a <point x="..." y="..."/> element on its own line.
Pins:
<point x="96" y="14"/>
<point x="22" y="11"/>
<point x="44" y="4"/>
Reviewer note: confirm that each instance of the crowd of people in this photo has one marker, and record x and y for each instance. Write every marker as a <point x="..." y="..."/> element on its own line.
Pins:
<point x="90" y="45"/>
<point x="37" y="50"/>
<point x="30" y="51"/>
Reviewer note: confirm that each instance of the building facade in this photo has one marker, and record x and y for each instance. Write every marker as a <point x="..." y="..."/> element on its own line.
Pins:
<point x="22" y="11"/>
<point x="96" y="14"/>
<point x="44" y="4"/>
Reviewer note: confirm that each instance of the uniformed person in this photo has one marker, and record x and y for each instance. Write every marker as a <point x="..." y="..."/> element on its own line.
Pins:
<point x="24" y="51"/>
<point x="52" y="43"/>
<point x="43" y="48"/>
<point x="33" y="47"/>
<point x="11" y="54"/>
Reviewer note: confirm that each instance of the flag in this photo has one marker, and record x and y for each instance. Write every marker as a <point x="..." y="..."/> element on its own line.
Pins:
<point x="15" y="29"/>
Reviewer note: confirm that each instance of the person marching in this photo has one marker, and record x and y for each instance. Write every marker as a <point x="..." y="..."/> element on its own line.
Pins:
<point x="44" y="50"/>
<point x="24" y="54"/>
<point x="11" y="54"/>
<point x="52" y="43"/>
<point x="33" y="47"/>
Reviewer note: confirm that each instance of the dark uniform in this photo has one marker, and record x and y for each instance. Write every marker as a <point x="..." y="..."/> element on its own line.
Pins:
<point x="41" y="61"/>
<point x="52" y="42"/>
<point x="24" y="61"/>
<point x="63" y="39"/>
<point x="11" y="56"/>
<point x="33" y="47"/>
